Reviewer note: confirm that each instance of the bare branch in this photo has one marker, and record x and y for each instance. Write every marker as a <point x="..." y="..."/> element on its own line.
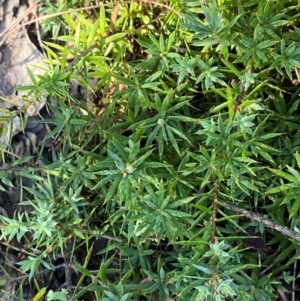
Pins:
<point x="266" y="222"/>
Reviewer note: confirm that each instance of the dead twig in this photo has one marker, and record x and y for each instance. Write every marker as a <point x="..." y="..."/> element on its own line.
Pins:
<point x="282" y="295"/>
<point x="23" y="277"/>
<point x="16" y="23"/>
<point x="294" y="281"/>
<point x="10" y="246"/>
<point x="67" y="258"/>
<point x="266" y="222"/>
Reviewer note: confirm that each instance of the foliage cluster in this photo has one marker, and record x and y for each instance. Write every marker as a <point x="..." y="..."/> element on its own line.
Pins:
<point x="195" y="106"/>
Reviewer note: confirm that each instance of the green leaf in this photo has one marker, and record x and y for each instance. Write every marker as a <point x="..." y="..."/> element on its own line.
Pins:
<point x="203" y="208"/>
<point x="285" y="175"/>
<point x="175" y="213"/>
<point x="152" y="86"/>
<point x="295" y="208"/>
<point x="102" y="273"/>
<point x="154" y="40"/>
<point x="77" y="39"/>
<point x="102" y="19"/>
<point x="298" y="159"/>
<point x="118" y="161"/>
<point x="146" y="231"/>
<point x="231" y="67"/>
<point x="268" y="136"/>
<point x="182" y="118"/>
<point x="83" y="270"/>
<point x="78" y="233"/>
<point x="206" y="42"/>
<point x="93" y="32"/>
<point x="32" y="77"/>
<point x="78" y="121"/>
<point x="54" y="296"/>
<point x="294" y="172"/>
<point x="115" y="37"/>
<point x="277" y="189"/>
<point x="167" y="101"/>
<point x="266" y="44"/>
<point x="266" y="156"/>
<point x="104" y="181"/>
<point x="112" y="188"/>
<point x="141" y="159"/>
<point x="203" y="269"/>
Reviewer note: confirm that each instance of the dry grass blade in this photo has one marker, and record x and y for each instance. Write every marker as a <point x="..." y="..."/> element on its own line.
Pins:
<point x="114" y="17"/>
<point x="17" y="26"/>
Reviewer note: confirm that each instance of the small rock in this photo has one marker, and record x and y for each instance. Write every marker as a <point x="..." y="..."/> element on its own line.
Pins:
<point x="14" y="127"/>
<point x="4" y="197"/>
<point x="34" y="125"/>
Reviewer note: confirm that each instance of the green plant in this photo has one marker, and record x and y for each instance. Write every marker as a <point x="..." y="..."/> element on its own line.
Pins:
<point x="190" y="116"/>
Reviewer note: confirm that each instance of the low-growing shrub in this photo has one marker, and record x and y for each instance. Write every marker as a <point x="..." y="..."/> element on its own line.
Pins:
<point x="187" y="140"/>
